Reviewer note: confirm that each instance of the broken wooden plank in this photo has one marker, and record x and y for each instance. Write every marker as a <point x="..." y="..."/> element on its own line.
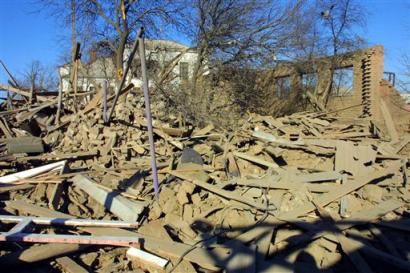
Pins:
<point x="15" y="187"/>
<point x="351" y="251"/>
<point x="378" y="254"/>
<point x="361" y="217"/>
<point x="5" y="130"/>
<point x="164" y="136"/>
<point x="391" y="129"/>
<point x="318" y="176"/>
<point x="327" y="198"/>
<point x="218" y="191"/>
<point x="156" y="229"/>
<point x="12" y="178"/>
<point x="256" y="160"/>
<point x="173" y="132"/>
<point x="68" y="221"/>
<point x="20" y="92"/>
<point x="266" y="182"/>
<point x="203" y="131"/>
<point x="56" y="194"/>
<point x="346" y="245"/>
<point x="70" y="266"/>
<point x="352" y="158"/>
<point x="271" y="138"/>
<point x="65" y="156"/>
<point x="401" y="144"/>
<point x="69" y="239"/>
<point x="142" y="257"/>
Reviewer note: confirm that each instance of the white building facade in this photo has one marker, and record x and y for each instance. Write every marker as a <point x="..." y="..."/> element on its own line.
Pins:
<point x="159" y="54"/>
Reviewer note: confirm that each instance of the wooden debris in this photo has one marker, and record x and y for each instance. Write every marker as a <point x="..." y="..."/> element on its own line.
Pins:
<point x="256" y="160"/>
<point x="254" y="199"/>
<point x="13" y="178"/>
<point x="142" y="257"/>
<point x="389" y="121"/>
<point x="70" y="266"/>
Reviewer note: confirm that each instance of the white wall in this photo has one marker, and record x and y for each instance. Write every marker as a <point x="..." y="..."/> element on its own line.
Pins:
<point x="96" y="71"/>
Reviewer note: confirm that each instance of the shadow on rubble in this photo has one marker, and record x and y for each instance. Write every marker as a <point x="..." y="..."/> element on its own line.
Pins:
<point x="382" y="246"/>
<point x="321" y="246"/>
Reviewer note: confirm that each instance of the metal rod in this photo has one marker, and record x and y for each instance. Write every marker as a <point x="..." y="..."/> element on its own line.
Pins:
<point x="105" y="91"/>
<point x="148" y="113"/>
<point x="124" y="75"/>
<point x="59" y="102"/>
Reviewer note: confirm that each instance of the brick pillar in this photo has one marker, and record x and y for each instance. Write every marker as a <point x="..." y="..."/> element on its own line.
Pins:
<point x="372" y="68"/>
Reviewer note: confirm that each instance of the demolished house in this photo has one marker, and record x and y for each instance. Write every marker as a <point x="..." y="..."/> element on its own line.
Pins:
<point x="358" y="86"/>
<point x="315" y="191"/>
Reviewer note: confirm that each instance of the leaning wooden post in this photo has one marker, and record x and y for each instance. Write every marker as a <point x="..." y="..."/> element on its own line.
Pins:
<point x="105" y="92"/>
<point x="148" y="112"/>
<point x="15" y="84"/>
<point x="59" y="102"/>
<point x="74" y="72"/>
<point x="124" y="75"/>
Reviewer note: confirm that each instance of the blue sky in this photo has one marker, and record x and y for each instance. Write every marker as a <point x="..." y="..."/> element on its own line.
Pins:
<point x="26" y="36"/>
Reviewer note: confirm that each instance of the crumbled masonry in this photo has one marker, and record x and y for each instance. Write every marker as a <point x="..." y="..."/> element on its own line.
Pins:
<point x="323" y="191"/>
<point x="308" y="192"/>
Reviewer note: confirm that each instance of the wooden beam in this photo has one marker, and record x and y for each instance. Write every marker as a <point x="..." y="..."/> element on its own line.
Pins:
<point x="344" y="189"/>
<point x="68" y="221"/>
<point x="389" y="121"/>
<point x="225" y="194"/>
<point x="15" y="177"/>
<point x="256" y="160"/>
<point x="20" y="92"/>
<point x="70" y="266"/>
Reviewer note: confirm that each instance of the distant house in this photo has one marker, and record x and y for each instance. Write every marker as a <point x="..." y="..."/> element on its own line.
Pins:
<point x="159" y="54"/>
<point x="406" y="97"/>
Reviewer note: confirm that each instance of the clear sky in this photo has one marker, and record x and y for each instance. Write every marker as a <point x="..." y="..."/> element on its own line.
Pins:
<point x="26" y="36"/>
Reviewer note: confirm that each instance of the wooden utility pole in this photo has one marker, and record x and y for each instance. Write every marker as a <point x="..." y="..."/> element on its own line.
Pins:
<point x="74" y="71"/>
<point x="73" y="29"/>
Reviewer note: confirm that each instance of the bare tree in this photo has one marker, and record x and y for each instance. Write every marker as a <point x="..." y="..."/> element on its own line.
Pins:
<point x="340" y="18"/>
<point x="229" y="32"/>
<point x="38" y="77"/>
<point x="403" y="82"/>
<point x="114" y="23"/>
<point x="325" y="28"/>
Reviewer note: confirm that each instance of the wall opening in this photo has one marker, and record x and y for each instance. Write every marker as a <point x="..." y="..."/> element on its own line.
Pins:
<point x="309" y="81"/>
<point x="342" y="82"/>
<point x="282" y="87"/>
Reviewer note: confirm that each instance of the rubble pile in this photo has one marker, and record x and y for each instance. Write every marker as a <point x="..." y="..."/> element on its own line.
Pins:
<point x="309" y="192"/>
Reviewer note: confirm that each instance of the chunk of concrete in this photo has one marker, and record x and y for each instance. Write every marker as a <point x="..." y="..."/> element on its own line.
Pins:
<point x="26" y="144"/>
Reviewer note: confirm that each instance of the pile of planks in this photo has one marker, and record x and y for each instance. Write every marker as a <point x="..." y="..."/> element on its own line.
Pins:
<point x="309" y="192"/>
